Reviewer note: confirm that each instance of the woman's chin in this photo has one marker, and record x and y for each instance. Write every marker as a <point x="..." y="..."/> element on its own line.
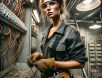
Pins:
<point x="50" y="16"/>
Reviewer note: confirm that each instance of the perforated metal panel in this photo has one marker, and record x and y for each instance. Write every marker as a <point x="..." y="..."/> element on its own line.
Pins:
<point x="95" y="58"/>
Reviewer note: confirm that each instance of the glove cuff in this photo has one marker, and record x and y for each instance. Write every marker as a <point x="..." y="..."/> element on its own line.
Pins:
<point x="40" y="54"/>
<point x="55" y="66"/>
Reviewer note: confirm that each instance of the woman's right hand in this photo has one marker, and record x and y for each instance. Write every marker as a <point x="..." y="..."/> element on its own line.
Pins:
<point x="34" y="57"/>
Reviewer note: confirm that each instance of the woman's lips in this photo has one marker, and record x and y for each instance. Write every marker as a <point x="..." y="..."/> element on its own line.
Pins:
<point x="49" y="13"/>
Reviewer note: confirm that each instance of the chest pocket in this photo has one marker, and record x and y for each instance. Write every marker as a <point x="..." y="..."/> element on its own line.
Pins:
<point x="60" y="48"/>
<point x="60" y="51"/>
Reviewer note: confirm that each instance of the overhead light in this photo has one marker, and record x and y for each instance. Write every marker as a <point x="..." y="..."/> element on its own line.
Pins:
<point x="88" y="5"/>
<point x="31" y="1"/>
<point x="95" y="26"/>
<point x="87" y="1"/>
<point x="36" y="16"/>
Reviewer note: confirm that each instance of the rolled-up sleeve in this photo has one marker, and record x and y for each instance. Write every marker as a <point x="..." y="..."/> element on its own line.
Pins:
<point x="76" y="47"/>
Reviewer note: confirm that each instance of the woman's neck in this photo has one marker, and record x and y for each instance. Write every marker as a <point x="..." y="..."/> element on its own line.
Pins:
<point x="56" y="21"/>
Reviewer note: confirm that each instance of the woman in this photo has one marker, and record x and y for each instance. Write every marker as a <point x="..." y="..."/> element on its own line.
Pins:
<point x="62" y="48"/>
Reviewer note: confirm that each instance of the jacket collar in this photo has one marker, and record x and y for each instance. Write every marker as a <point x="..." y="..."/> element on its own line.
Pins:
<point x="61" y="28"/>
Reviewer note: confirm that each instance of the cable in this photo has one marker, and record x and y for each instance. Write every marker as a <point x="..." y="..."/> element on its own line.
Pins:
<point x="16" y="53"/>
<point x="23" y="2"/>
<point x="7" y="46"/>
<point x="13" y="6"/>
<point x="10" y="5"/>
<point x="2" y="1"/>
<point x="8" y="2"/>
<point x="11" y="42"/>
<point x="16" y="8"/>
<point x="7" y="31"/>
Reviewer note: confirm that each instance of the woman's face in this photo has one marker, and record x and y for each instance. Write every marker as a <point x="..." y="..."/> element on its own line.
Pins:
<point x="51" y="8"/>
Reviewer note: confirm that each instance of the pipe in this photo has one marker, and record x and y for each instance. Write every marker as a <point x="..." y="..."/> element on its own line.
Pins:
<point x="101" y="14"/>
<point x="76" y="23"/>
<point x="91" y="14"/>
<point x="71" y="5"/>
<point x="84" y="73"/>
<point x="10" y="18"/>
<point x="84" y="21"/>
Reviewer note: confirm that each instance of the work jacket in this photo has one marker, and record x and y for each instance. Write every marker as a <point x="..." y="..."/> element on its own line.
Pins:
<point x="64" y="44"/>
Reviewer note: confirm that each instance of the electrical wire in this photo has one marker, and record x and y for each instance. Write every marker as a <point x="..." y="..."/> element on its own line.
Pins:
<point x="16" y="53"/>
<point x="11" y="42"/>
<point x="22" y="2"/>
<point x="6" y="48"/>
<point x="4" y="1"/>
<point x="11" y="38"/>
<point x="7" y="31"/>
<point x="11" y="1"/>
<point x="13" y="6"/>
<point x="8" y="2"/>
<point x="17" y="7"/>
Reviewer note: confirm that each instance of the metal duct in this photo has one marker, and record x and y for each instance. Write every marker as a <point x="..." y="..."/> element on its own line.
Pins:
<point x="91" y="13"/>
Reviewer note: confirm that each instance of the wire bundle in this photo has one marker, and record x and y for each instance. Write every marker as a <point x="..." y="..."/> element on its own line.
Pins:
<point x="11" y="42"/>
<point x="16" y="7"/>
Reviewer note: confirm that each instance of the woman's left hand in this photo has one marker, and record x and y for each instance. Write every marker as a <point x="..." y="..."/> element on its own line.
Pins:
<point x="44" y="64"/>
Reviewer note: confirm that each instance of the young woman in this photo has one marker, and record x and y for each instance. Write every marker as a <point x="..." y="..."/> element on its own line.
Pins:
<point x="62" y="48"/>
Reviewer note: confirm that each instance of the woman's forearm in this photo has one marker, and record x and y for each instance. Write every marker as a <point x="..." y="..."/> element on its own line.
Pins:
<point x="68" y="64"/>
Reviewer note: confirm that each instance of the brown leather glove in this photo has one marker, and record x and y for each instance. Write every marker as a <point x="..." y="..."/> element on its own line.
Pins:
<point x="34" y="57"/>
<point x="44" y="64"/>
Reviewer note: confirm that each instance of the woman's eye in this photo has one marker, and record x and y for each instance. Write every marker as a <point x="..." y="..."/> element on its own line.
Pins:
<point x="52" y="3"/>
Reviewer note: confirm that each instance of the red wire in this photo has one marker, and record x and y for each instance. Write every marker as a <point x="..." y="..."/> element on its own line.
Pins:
<point x="2" y="1"/>
<point x="8" y="2"/>
<point x="16" y="8"/>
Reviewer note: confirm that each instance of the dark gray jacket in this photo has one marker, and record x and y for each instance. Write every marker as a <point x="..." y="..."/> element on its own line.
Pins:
<point x="65" y="44"/>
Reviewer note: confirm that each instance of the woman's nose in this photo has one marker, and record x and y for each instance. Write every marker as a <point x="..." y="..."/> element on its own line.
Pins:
<point x="48" y="7"/>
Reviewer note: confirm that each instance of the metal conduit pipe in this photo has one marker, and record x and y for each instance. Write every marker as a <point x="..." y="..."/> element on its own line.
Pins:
<point x="101" y="14"/>
<point x="76" y="23"/>
<point x="71" y="5"/>
<point x="91" y="14"/>
<point x="69" y="2"/>
<point x="84" y="21"/>
<point x="84" y="73"/>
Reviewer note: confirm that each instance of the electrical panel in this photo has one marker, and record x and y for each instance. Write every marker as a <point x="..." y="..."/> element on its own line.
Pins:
<point x="95" y="54"/>
<point x="95" y="58"/>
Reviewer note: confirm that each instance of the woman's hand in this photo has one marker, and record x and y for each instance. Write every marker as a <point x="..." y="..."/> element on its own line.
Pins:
<point x="44" y="64"/>
<point x="34" y="57"/>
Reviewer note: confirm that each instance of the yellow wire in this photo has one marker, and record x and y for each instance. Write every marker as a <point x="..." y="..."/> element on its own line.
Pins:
<point x="17" y="52"/>
<point x="9" y="30"/>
